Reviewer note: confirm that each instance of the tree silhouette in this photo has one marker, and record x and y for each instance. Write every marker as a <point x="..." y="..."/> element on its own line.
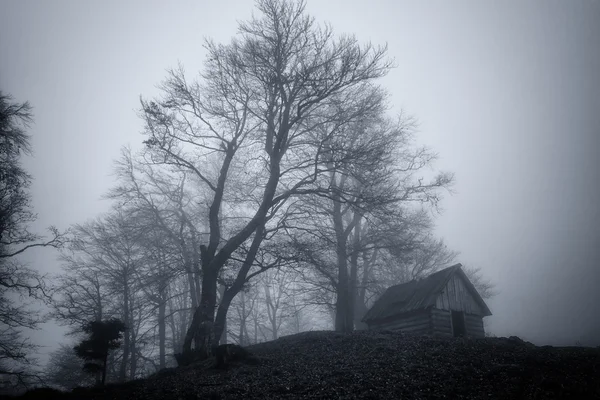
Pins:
<point x="259" y="110"/>
<point x="103" y="337"/>
<point x="17" y="281"/>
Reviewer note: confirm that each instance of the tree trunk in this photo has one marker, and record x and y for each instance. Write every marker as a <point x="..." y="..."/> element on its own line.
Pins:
<point x="112" y="369"/>
<point x="361" y="302"/>
<point x="99" y="297"/>
<point x="104" y="368"/>
<point x="193" y="290"/>
<point x="297" y="322"/>
<point x="127" y="336"/>
<point x="133" y="359"/>
<point x="274" y="329"/>
<point x="343" y="290"/>
<point x="332" y="315"/>
<point x="255" y="331"/>
<point x="223" y="336"/>
<point x="343" y="321"/>
<point x="297" y="316"/>
<point x="271" y="312"/>
<point x="342" y="301"/>
<point x="185" y="317"/>
<point x="201" y="328"/>
<point x="197" y="285"/>
<point x="243" y="319"/>
<point x="238" y="284"/>
<point x="353" y="282"/>
<point x="246" y="335"/>
<point x="133" y="354"/>
<point x="99" y="379"/>
<point x="162" y="333"/>
<point x="176" y="341"/>
<point x="242" y="341"/>
<point x="221" y="318"/>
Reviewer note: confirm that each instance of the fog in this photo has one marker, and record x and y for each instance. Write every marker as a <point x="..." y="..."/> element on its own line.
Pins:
<point x="507" y="93"/>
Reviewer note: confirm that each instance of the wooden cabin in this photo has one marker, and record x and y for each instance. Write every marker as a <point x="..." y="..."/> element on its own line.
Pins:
<point x="443" y="304"/>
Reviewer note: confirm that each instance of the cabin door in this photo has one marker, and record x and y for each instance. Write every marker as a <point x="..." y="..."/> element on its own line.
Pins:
<point x="458" y="324"/>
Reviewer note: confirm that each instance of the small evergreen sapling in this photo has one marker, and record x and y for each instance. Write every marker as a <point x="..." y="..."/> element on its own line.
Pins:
<point x="103" y="337"/>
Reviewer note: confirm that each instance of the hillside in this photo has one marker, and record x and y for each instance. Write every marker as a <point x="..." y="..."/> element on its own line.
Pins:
<point x="369" y="365"/>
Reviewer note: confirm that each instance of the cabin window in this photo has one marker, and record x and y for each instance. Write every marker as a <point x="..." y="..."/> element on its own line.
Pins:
<point x="458" y="324"/>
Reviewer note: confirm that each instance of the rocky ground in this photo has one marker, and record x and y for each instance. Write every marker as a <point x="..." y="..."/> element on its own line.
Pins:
<point x="377" y="365"/>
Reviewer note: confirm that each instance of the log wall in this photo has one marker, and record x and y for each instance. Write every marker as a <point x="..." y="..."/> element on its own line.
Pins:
<point x="434" y="321"/>
<point x="474" y="324"/>
<point x="414" y="323"/>
<point x="441" y="322"/>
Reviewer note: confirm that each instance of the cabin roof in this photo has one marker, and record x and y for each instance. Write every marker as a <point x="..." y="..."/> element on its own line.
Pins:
<point x="418" y="295"/>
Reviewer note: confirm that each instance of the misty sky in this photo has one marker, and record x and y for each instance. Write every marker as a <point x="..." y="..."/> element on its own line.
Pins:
<point x="508" y="94"/>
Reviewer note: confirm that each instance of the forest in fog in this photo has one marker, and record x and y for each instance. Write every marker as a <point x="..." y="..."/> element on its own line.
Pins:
<point x="275" y="193"/>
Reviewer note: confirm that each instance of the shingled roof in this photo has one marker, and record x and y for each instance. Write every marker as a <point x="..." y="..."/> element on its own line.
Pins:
<point x="418" y="295"/>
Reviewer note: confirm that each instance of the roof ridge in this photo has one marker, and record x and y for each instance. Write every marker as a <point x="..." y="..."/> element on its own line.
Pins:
<point x="417" y="294"/>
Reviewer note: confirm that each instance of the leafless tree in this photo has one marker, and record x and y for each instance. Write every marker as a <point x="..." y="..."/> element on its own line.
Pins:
<point x="106" y="252"/>
<point x="277" y="285"/>
<point x="178" y="310"/>
<point x="243" y="306"/>
<point x="65" y="369"/>
<point x="155" y="277"/>
<point x="253" y="119"/>
<point x="17" y="282"/>
<point x="485" y="287"/>
<point x="163" y="204"/>
<point x="80" y="294"/>
<point x="370" y="206"/>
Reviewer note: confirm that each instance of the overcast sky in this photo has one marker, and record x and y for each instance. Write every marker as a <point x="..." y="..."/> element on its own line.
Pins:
<point x="508" y="93"/>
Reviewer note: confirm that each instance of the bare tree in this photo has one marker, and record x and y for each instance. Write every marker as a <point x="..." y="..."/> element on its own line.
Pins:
<point x="16" y="280"/>
<point x="178" y="309"/>
<point x="277" y="284"/>
<point x="369" y="207"/>
<point x="15" y="205"/>
<point x="80" y="294"/>
<point x="106" y="252"/>
<point x="161" y="201"/>
<point x="253" y="119"/>
<point x="155" y="277"/>
<point x="485" y="287"/>
<point x="243" y="306"/>
<point x="65" y="369"/>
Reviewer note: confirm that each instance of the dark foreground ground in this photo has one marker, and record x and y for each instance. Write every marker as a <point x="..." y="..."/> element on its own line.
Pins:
<point x="383" y="365"/>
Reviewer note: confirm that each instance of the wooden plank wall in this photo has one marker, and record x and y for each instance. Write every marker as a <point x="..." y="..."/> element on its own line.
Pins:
<point x="435" y="321"/>
<point x="474" y="324"/>
<point x="441" y="322"/>
<point x="455" y="296"/>
<point x="417" y="324"/>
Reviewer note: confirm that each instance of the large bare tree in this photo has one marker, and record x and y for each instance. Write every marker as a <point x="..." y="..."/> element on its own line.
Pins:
<point x="252" y="119"/>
